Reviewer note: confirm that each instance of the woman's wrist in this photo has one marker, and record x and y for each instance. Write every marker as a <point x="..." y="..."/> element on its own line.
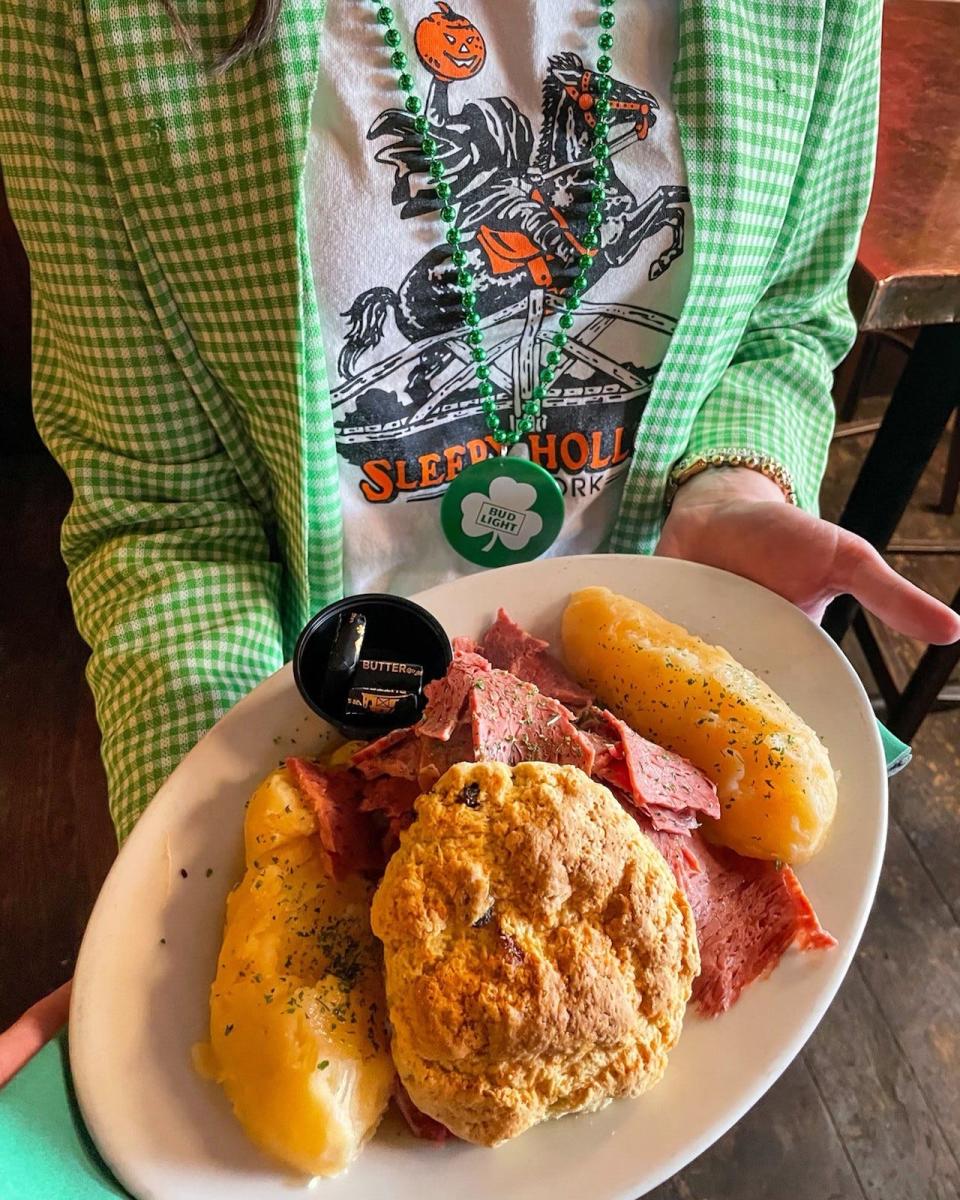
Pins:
<point x="694" y="464"/>
<point x="713" y="495"/>
<point x="722" y="484"/>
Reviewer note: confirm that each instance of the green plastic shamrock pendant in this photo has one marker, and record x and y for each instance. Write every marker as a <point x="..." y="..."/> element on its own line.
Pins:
<point x="501" y="511"/>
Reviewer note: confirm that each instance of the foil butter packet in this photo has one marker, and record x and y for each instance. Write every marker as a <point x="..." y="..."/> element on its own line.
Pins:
<point x="385" y="687"/>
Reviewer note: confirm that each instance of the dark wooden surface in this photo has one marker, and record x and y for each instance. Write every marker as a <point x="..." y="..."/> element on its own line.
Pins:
<point x="16" y="428"/>
<point x="908" y="268"/>
<point x="57" y="841"/>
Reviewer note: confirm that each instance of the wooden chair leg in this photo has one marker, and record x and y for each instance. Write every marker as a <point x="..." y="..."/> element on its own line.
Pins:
<point x="873" y="653"/>
<point x="951" y="478"/>
<point x="906" y="715"/>
<point x="853" y="374"/>
<point x="922" y="403"/>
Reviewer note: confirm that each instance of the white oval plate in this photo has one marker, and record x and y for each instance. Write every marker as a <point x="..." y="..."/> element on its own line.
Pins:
<point x="139" y="1005"/>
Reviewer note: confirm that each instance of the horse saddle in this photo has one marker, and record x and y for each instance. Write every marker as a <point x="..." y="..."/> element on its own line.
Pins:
<point x="511" y="250"/>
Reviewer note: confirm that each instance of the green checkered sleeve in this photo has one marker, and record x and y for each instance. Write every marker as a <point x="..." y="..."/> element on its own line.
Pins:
<point x="173" y="580"/>
<point x="773" y="400"/>
<point x="173" y="589"/>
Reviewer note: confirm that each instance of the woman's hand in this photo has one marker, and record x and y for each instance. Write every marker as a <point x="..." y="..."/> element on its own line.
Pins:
<point x="738" y="520"/>
<point x="32" y="1031"/>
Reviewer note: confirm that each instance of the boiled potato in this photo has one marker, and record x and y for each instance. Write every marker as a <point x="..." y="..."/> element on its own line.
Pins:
<point x="778" y="794"/>
<point x="297" y="1034"/>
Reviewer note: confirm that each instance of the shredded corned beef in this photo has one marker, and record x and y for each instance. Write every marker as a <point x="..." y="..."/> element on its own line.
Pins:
<point x="348" y="835"/>
<point x="607" y="750"/>
<point x="748" y="913"/>
<point x="510" y="648"/>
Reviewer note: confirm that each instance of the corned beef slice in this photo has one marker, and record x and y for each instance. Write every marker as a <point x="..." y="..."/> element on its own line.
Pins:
<point x="747" y="911"/>
<point x="395" y="798"/>
<point x="811" y="935"/>
<point x="607" y="746"/>
<point x="510" y="648"/>
<point x="444" y="732"/>
<point x="348" y="835"/>
<point x="397" y="753"/>
<point x="391" y="796"/>
<point x="447" y="697"/>
<point x="420" y="1124"/>
<point x="505" y="642"/>
<point x="437" y="757"/>
<point x="662" y="786"/>
<point x="658" y="778"/>
<point x="513" y="723"/>
<point x="664" y="820"/>
<point x="548" y="675"/>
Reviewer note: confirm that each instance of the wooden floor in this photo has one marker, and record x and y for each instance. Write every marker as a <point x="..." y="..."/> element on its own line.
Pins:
<point x="871" y="1109"/>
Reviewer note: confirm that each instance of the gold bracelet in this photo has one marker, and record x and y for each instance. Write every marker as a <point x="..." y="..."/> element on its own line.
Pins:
<point x="692" y="465"/>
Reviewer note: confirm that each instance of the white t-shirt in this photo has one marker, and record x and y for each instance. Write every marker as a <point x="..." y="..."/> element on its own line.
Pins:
<point x="509" y="97"/>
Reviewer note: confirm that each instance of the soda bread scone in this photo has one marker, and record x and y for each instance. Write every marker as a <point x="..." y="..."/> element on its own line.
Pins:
<point x="539" y="955"/>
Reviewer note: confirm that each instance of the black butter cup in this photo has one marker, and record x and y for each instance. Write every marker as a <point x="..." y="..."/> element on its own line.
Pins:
<point x="396" y="629"/>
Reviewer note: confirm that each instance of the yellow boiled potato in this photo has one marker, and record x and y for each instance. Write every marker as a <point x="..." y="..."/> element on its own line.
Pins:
<point x="297" y="1033"/>
<point x="778" y="793"/>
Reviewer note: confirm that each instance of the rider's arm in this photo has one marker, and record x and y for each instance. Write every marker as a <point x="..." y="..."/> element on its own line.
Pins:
<point x="511" y="204"/>
<point x="774" y="398"/>
<point x="171" y="575"/>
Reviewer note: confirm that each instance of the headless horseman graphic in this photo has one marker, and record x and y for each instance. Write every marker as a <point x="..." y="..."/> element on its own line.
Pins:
<point x="521" y="203"/>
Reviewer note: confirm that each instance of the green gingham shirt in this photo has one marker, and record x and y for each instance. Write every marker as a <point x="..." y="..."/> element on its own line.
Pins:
<point x="178" y="367"/>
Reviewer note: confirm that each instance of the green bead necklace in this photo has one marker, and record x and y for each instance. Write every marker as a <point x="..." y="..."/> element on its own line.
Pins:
<point x="521" y="513"/>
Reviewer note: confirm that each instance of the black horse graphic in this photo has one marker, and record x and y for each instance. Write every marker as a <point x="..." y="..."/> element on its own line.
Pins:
<point x="522" y="205"/>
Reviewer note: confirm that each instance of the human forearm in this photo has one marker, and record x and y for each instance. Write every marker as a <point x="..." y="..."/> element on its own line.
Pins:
<point x="175" y="642"/>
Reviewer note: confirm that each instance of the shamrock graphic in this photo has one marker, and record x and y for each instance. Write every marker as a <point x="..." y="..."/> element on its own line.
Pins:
<point x="503" y="512"/>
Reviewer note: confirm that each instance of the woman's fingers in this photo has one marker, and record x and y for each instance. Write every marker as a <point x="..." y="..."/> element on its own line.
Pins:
<point x="32" y="1031"/>
<point x="807" y="560"/>
<point x="863" y="573"/>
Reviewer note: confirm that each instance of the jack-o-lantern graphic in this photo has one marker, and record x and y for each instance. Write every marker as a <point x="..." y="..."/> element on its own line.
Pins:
<point x="451" y="47"/>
